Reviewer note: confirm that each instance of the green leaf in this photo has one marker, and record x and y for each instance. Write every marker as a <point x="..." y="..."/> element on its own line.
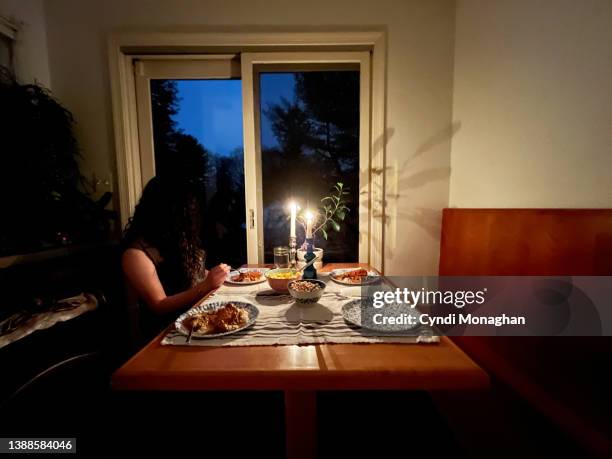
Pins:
<point x="340" y="184"/>
<point x="324" y="233"/>
<point x="326" y="198"/>
<point x="334" y="225"/>
<point x="341" y="214"/>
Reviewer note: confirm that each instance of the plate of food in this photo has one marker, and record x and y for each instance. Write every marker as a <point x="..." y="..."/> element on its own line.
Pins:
<point x="247" y="276"/>
<point x="217" y="319"/>
<point x="408" y="317"/>
<point x="354" y="276"/>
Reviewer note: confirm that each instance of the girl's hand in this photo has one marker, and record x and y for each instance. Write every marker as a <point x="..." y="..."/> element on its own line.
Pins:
<point x="216" y="276"/>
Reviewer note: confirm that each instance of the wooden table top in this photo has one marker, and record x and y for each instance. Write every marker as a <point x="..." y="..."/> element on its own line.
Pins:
<point x="441" y="366"/>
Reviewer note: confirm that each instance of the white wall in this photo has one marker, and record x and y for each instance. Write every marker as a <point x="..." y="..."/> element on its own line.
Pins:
<point x="31" y="57"/>
<point x="533" y="94"/>
<point x="521" y="86"/>
<point x="419" y="91"/>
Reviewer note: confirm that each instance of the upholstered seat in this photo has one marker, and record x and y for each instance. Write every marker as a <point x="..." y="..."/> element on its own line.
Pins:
<point x="566" y="378"/>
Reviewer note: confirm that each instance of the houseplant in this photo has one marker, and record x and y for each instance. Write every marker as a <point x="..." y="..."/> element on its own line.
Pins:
<point x="331" y="213"/>
<point x="44" y="199"/>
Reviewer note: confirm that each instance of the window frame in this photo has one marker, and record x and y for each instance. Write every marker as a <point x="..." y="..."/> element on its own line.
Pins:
<point x="146" y="68"/>
<point x="125" y="47"/>
<point x="8" y="34"/>
<point x="254" y="63"/>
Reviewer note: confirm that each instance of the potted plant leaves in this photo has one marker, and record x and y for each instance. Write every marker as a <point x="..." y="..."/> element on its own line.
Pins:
<point x="327" y="220"/>
<point x="44" y="200"/>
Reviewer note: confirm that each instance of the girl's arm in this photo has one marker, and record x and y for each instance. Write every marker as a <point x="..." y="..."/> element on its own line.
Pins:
<point x="142" y="276"/>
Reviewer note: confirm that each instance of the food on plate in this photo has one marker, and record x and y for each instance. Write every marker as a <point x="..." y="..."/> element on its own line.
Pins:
<point x="247" y="276"/>
<point x="354" y="276"/>
<point x="284" y="275"/>
<point x="305" y="286"/>
<point x="227" y="318"/>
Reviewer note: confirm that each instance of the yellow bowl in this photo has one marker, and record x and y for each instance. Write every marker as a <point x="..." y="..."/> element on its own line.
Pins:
<point x="279" y="278"/>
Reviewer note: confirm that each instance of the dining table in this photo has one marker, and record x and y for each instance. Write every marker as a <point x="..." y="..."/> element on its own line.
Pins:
<point x="299" y="371"/>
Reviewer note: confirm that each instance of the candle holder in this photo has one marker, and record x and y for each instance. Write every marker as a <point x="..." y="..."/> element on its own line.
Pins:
<point x="310" y="272"/>
<point x="292" y="252"/>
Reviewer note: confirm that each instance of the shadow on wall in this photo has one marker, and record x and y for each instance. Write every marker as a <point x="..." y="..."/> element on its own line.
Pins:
<point x="402" y="179"/>
<point x="376" y="188"/>
<point x="378" y="203"/>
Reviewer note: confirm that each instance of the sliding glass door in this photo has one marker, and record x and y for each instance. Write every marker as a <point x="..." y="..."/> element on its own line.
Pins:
<point x="309" y="131"/>
<point x="196" y="125"/>
<point x="266" y="129"/>
<point x="307" y="134"/>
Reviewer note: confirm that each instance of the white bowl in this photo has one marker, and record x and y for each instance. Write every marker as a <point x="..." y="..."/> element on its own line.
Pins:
<point x="306" y="297"/>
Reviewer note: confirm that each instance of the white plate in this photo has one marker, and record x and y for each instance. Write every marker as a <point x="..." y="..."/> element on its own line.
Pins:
<point x="180" y="322"/>
<point x="372" y="278"/>
<point x="351" y="312"/>
<point x="228" y="279"/>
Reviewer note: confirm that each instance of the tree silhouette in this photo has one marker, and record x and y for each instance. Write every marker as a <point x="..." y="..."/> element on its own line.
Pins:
<point x="291" y="126"/>
<point x="175" y="152"/>
<point x="221" y="177"/>
<point x="331" y="103"/>
<point x="318" y="145"/>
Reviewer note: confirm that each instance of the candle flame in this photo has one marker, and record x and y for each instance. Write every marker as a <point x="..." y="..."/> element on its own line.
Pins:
<point x="309" y="216"/>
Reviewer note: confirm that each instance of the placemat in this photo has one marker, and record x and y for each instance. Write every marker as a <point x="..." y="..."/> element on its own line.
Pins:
<point x="282" y="322"/>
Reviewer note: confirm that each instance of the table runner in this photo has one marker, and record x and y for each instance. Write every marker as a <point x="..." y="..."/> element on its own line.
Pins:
<point x="282" y="322"/>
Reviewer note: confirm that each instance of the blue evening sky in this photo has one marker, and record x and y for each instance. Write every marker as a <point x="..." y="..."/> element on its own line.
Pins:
<point x="211" y="110"/>
<point x="273" y="88"/>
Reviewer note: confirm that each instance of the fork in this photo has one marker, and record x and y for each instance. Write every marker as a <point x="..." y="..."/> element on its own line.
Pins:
<point x="240" y="270"/>
<point x="190" y="334"/>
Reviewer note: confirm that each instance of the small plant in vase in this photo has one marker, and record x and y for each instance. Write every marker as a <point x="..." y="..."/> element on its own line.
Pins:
<point x="330" y="214"/>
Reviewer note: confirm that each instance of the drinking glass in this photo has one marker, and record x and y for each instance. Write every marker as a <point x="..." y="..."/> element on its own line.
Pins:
<point x="281" y="257"/>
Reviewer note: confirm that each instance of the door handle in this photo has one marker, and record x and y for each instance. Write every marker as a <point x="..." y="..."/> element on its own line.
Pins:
<point x="251" y="219"/>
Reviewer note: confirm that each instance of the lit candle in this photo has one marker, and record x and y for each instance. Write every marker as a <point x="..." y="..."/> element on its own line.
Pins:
<point x="293" y="207"/>
<point x="309" y="220"/>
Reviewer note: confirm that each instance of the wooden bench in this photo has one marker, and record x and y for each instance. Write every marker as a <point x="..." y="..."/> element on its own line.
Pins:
<point x="566" y="379"/>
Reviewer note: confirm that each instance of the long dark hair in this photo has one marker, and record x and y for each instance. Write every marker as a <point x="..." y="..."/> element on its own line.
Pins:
<point x="169" y="217"/>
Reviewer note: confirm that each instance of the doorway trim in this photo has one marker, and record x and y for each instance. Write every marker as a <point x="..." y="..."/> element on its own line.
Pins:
<point x="124" y="47"/>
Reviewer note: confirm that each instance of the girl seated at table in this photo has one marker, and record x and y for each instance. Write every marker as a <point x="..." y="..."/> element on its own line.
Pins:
<point x="163" y="258"/>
